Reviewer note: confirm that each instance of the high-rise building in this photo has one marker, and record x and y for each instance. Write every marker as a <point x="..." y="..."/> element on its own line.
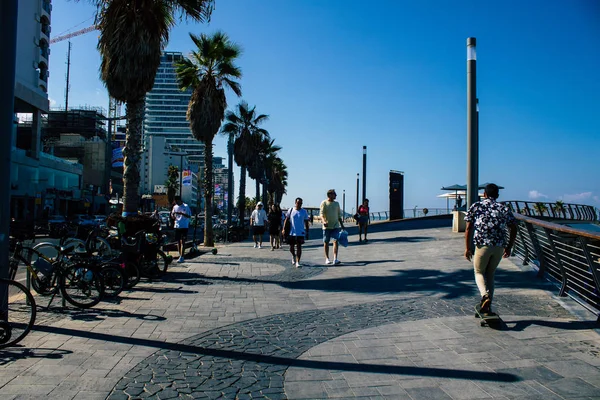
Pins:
<point x="166" y="108"/>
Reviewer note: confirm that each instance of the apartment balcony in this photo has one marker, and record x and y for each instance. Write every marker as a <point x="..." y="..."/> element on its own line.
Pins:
<point x="46" y="8"/>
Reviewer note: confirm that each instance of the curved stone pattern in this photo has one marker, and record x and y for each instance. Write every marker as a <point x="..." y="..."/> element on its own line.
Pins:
<point x="249" y="359"/>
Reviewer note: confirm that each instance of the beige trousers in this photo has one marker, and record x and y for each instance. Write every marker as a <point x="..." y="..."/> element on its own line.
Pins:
<point x="485" y="262"/>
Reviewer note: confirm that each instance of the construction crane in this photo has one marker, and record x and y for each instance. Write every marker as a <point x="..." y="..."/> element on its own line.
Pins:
<point x="73" y="34"/>
<point x="114" y="107"/>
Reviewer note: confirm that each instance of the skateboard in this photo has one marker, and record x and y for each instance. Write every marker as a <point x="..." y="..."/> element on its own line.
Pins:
<point x="487" y="319"/>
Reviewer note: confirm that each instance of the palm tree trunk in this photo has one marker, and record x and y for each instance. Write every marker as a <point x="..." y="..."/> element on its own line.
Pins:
<point x="208" y="193"/>
<point x="257" y="181"/>
<point x="131" y="153"/>
<point x="242" y="198"/>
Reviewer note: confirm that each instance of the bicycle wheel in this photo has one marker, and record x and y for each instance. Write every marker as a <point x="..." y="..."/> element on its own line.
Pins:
<point x="132" y="275"/>
<point x="17" y="315"/>
<point x="41" y="267"/>
<point x="81" y="286"/>
<point x="154" y="268"/>
<point x="113" y="279"/>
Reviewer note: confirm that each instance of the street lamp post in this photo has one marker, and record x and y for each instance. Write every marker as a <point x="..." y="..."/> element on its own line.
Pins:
<point x="8" y="33"/>
<point x="344" y="203"/>
<point x="364" y="185"/>
<point x="230" y="178"/>
<point x="357" y="185"/>
<point x="472" y="125"/>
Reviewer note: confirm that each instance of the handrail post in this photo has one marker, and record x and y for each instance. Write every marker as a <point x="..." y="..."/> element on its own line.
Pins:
<point x="538" y="249"/>
<point x="563" y="273"/>
<point x="595" y="273"/>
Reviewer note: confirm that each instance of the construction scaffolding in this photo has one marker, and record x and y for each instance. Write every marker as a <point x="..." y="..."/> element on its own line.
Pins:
<point x="89" y="122"/>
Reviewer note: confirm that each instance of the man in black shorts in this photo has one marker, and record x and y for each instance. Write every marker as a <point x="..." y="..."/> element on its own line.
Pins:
<point x="181" y="214"/>
<point x="298" y="219"/>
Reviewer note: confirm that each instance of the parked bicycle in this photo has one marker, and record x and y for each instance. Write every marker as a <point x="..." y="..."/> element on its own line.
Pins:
<point x="17" y="312"/>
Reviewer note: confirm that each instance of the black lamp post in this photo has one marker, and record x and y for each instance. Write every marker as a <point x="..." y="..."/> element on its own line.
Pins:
<point x="8" y="33"/>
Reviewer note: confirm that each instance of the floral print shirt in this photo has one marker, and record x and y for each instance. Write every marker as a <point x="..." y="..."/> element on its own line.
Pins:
<point x="490" y="218"/>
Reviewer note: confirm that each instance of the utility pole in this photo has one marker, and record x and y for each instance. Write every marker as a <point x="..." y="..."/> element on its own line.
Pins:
<point x="472" y="125"/>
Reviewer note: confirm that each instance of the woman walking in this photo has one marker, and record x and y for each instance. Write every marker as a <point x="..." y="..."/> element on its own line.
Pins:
<point x="363" y="219"/>
<point x="274" y="219"/>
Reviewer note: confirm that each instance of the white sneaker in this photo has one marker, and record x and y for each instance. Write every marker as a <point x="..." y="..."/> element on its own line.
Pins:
<point x="293" y="260"/>
<point x="336" y="261"/>
<point x="259" y="246"/>
<point x="255" y="245"/>
<point x="327" y="261"/>
<point x="181" y="260"/>
<point x="298" y="264"/>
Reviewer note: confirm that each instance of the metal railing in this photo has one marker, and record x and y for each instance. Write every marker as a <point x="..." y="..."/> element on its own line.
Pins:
<point x="578" y="212"/>
<point x="566" y="256"/>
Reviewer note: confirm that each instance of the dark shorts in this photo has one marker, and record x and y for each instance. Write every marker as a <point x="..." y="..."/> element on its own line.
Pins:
<point x="329" y="234"/>
<point x="181" y="234"/>
<point x="258" y="230"/>
<point x="363" y="219"/>
<point x="292" y="240"/>
<point x="274" y="230"/>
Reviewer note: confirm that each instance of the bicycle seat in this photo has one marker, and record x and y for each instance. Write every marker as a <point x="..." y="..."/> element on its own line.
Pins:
<point x="67" y="250"/>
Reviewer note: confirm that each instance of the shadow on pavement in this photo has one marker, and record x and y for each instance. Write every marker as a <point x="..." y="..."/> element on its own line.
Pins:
<point x="565" y="325"/>
<point x="16" y="353"/>
<point x="100" y="314"/>
<point x="455" y="284"/>
<point x="289" y="362"/>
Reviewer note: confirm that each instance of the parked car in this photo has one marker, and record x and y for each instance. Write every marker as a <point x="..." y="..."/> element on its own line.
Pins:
<point x="100" y="220"/>
<point x="83" y="220"/>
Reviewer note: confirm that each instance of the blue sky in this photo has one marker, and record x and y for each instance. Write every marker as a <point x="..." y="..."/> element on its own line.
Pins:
<point x="335" y="75"/>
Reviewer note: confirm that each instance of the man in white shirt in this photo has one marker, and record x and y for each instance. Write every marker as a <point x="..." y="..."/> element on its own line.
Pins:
<point x="181" y="214"/>
<point x="298" y="219"/>
<point x="258" y="221"/>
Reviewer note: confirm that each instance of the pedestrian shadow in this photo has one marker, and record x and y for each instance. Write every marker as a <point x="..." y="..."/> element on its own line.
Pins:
<point x="286" y="361"/>
<point x="521" y="325"/>
<point x="97" y="314"/>
<point x="362" y="263"/>
<point x="21" y="353"/>
<point x="400" y="239"/>
<point x="187" y="279"/>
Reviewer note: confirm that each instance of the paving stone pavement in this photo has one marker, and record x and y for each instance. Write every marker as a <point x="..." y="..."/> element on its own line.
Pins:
<point x="395" y="320"/>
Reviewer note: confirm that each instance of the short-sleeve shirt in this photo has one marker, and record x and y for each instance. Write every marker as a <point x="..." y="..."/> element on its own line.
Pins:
<point x="297" y="221"/>
<point x="259" y="217"/>
<point x="182" y="222"/>
<point x="490" y="220"/>
<point x="330" y="213"/>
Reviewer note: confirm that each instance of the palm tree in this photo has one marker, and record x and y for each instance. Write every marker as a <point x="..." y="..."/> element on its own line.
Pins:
<point x="264" y="149"/>
<point x="132" y="36"/>
<point x="278" y="180"/>
<point x="208" y="71"/>
<point x="540" y="207"/>
<point x="559" y="208"/>
<point x="172" y="183"/>
<point x="241" y="126"/>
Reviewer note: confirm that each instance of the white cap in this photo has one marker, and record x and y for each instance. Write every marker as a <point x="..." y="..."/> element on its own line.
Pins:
<point x="260" y="203"/>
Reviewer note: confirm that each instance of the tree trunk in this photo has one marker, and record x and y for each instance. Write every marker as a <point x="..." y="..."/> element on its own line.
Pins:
<point x="131" y="156"/>
<point x="257" y="181"/>
<point x="265" y="196"/>
<point x="242" y="198"/>
<point x="208" y="193"/>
